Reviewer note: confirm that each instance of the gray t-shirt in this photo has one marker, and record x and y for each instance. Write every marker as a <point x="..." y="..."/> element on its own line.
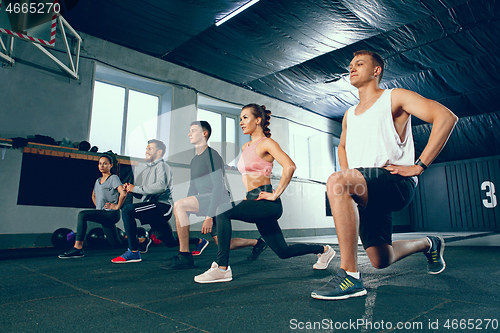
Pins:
<point x="106" y="192"/>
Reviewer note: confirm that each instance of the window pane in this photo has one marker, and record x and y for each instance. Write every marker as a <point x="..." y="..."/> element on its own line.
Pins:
<point x="230" y="141"/>
<point x="336" y="156"/>
<point x="107" y="117"/>
<point x="142" y="122"/>
<point x="215" y="121"/>
<point x="301" y="154"/>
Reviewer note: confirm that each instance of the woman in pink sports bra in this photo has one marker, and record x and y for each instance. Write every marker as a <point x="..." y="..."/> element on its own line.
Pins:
<point x="262" y="205"/>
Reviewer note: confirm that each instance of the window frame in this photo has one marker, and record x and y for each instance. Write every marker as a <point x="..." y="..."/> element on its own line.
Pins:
<point x="130" y="81"/>
<point x="223" y="115"/>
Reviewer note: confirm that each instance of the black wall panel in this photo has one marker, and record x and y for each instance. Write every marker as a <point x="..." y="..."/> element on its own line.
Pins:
<point x="57" y="181"/>
<point x="458" y="196"/>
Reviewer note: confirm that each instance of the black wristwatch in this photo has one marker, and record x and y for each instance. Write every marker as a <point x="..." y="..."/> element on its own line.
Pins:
<point x="420" y="163"/>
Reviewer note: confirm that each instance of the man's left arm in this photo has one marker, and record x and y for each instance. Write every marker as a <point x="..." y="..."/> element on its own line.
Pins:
<point x="442" y="119"/>
<point x="216" y="167"/>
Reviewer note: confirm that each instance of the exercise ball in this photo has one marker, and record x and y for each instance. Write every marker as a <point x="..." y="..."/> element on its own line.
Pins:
<point x="96" y="238"/>
<point x="63" y="238"/>
<point x="122" y="236"/>
<point x="142" y="233"/>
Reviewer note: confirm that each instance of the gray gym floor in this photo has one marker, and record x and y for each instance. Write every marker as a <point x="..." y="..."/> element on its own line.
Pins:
<point x="41" y="293"/>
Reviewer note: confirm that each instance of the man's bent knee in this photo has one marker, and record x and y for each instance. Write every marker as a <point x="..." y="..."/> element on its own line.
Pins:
<point x="180" y="206"/>
<point x="379" y="264"/>
<point x="336" y="184"/>
<point x="380" y="257"/>
<point x="176" y="206"/>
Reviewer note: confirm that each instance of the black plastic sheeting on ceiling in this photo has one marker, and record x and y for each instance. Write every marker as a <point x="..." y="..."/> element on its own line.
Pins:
<point x="473" y="137"/>
<point x="427" y="56"/>
<point x="152" y="27"/>
<point x="299" y="51"/>
<point x="273" y="37"/>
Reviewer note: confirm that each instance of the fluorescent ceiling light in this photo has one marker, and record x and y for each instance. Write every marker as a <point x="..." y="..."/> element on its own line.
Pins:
<point x="236" y="12"/>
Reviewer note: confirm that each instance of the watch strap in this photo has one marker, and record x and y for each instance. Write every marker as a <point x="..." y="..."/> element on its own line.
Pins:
<point x="420" y="163"/>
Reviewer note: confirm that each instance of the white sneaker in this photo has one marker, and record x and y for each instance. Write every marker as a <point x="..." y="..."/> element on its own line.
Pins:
<point x="324" y="258"/>
<point x="214" y="274"/>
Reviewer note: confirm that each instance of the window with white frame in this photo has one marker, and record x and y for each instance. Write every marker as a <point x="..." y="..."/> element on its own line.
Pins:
<point x="223" y="118"/>
<point x="126" y="112"/>
<point x="310" y="149"/>
<point x="299" y="153"/>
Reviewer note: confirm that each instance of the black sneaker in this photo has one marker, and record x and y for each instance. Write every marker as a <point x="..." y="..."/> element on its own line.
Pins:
<point x="341" y="286"/>
<point x="71" y="254"/>
<point x="435" y="260"/>
<point x="168" y="263"/>
<point x="179" y="262"/>
<point x="257" y="249"/>
<point x="144" y="246"/>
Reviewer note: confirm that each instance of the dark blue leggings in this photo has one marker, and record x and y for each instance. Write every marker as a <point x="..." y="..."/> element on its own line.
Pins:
<point x="156" y="214"/>
<point x="265" y="215"/>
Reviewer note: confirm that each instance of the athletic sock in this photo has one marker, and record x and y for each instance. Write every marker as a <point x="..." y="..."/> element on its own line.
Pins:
<point x="187" y="254"/>
<point x="355" y="275"/>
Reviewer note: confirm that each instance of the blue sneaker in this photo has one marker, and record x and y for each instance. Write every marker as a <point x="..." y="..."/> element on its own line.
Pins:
<point x="435" y="260"/>
<point x="341" y="286"/>
<point x="200" y="247"/>
<point x="127" y="257"/>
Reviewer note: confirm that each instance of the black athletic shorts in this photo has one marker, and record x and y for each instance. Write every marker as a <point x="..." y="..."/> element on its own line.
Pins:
<point x="387" y="193"/>
<point x="204" y="205"/>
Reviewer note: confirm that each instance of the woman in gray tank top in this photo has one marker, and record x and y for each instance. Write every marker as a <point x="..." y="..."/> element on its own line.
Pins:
<point x="108" y="197"/>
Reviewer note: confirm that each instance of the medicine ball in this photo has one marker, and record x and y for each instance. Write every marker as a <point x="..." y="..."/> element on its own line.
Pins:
<point x="96" y="238"/>
<point x="63" y="238"/>
<point x="142" y="233"/>
<point x="84" y="146"/>
<point x="122" y="236"/>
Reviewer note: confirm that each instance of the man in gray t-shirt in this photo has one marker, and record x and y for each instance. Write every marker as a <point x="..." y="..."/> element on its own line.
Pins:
<point x="154" y="187"/>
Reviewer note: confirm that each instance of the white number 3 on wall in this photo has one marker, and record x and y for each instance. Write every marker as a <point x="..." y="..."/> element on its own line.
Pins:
<point x="490" y="188"/>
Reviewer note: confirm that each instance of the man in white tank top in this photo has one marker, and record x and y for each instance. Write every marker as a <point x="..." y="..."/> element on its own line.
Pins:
<point x="379" y="175"/>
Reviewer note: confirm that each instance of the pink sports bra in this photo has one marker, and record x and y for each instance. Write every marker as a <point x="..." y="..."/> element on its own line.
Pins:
<point x="250" y="162"/>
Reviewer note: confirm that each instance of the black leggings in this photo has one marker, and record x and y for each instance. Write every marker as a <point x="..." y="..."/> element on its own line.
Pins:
<point x="156" y="214"/>
<point x="108" y="219"/>
<point x="265" y="215"/>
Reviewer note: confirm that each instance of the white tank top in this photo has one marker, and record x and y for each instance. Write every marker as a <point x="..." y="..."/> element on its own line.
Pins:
<point x="372" y="140"/>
